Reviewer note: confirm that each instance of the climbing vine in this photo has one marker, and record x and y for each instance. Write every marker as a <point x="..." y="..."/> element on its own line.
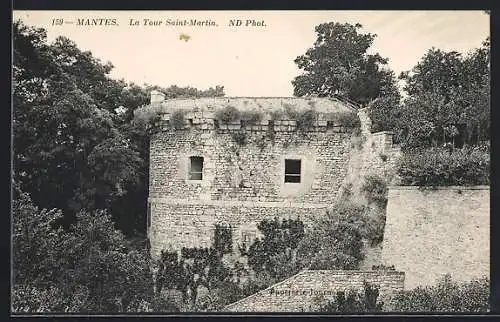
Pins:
<point x="223" y="239"/>
<point x="196" y="266"/>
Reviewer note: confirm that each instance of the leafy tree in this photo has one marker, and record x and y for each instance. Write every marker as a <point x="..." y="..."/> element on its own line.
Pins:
<point x="448" y="99"/>
<point x="335" y="240"/>
<point x="338" y="64"/>
<point x="35" y="241"/>
<point x="72" y="149"/>
<point x="63" y="125"/>
<point x="275" y="252"/>
<point x="88" y="268"/>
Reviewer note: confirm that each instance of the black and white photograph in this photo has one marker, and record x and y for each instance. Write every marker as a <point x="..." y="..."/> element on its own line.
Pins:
<point x="316" y="161"/>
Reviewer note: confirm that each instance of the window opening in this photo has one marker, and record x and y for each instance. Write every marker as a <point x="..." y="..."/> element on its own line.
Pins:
<point x="196" y="168"/>
<point x="292" y="171"/>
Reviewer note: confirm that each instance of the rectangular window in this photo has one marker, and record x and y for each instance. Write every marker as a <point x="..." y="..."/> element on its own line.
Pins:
<point x="196" y="168"/>
<point x="292" y="171"/>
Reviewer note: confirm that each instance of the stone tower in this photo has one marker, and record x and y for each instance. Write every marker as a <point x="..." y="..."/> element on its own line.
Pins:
<point x="240" y="160"/>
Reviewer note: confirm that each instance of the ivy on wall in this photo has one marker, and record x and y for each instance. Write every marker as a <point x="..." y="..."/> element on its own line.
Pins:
<point x="223" y="239"/>
<point x="196" y="266"/>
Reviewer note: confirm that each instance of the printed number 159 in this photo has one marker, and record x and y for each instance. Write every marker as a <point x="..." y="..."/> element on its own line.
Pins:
<point x="57" y="22"/>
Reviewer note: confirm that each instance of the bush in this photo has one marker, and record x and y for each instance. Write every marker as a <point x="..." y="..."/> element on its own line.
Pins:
<point x="228" y="114"/>
<point x="89" y="267"/>
<point x="335" y="239"/>
<point x="375" y="189"/>
<point x="31" y="299"/>
<point x="305" y="120"/>
<point x="443" y="167"/>
<point x="446" y="296"/>
<point x="273" y="253"/>
<point x="350" y="120"/>
<point x="239" y="137"/>
<point x="355" y="302"/>
<point x="177" y="119"/>
<point x="251" y="117"/>
<point x="357" y="139"/>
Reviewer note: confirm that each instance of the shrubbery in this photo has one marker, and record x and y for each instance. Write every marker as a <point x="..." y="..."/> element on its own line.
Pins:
<point x="375" y="189"/>
<point x="335" y="240"/>
<point x="445" y="167"/>
<point x="446" y="296"/>
<point x="177" y="119"/>
<point x="273" y="254"/>
<point x="306" y="120"/>
<point x="227" y="114"/>
<point x="355" y="302"/>
<point x="251" y="117"/>
<point x="89" y="267"/>
<point x="350" y="120"/>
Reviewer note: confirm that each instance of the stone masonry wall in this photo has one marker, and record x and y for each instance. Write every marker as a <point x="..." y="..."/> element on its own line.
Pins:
<point x="243" y="167"/>
<point x="433" y="232"/>
<point x="378" y="152"/>
<point x="191" y="224"/>
<point x="308" y="289"/>
<point x="252" y="171"/>
<point x="371" y="154"/>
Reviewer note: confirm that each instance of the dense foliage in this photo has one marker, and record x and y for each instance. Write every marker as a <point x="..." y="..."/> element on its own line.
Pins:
<point x="355" y="302"/>
<point x="81" y="155"/>
<point x="199" y="267"/>
<point x="338" y="64"/>
<point x="275" y="252"/>
<point x="375" y="189"/>
<point x="79" y="147"/>
<point x="74" y="148"/>
<point x="334" y="240"/>
<point x="448" y="99"/>
<point x="88" y="268"/>
<point x="445" y="167"/>
<point x="446" y="296"/>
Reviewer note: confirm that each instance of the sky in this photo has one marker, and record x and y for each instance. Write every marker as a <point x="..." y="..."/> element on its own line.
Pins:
<point x="249" y="60"/>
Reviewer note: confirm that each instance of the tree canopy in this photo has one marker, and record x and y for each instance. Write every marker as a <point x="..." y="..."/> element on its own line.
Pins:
<point x="448" y="99"/>
<point x="338" y="64"/>
<point x="73" y="149"/>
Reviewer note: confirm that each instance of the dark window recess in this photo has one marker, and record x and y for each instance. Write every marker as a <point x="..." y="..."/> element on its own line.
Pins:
<point x="292" y="171"/>
<point x="329" y="125"/>
<point x="190" y="121"/>
<point x="196" y="168"/>
<point x="216" y="124"/>
<point x="243" y="124"/>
